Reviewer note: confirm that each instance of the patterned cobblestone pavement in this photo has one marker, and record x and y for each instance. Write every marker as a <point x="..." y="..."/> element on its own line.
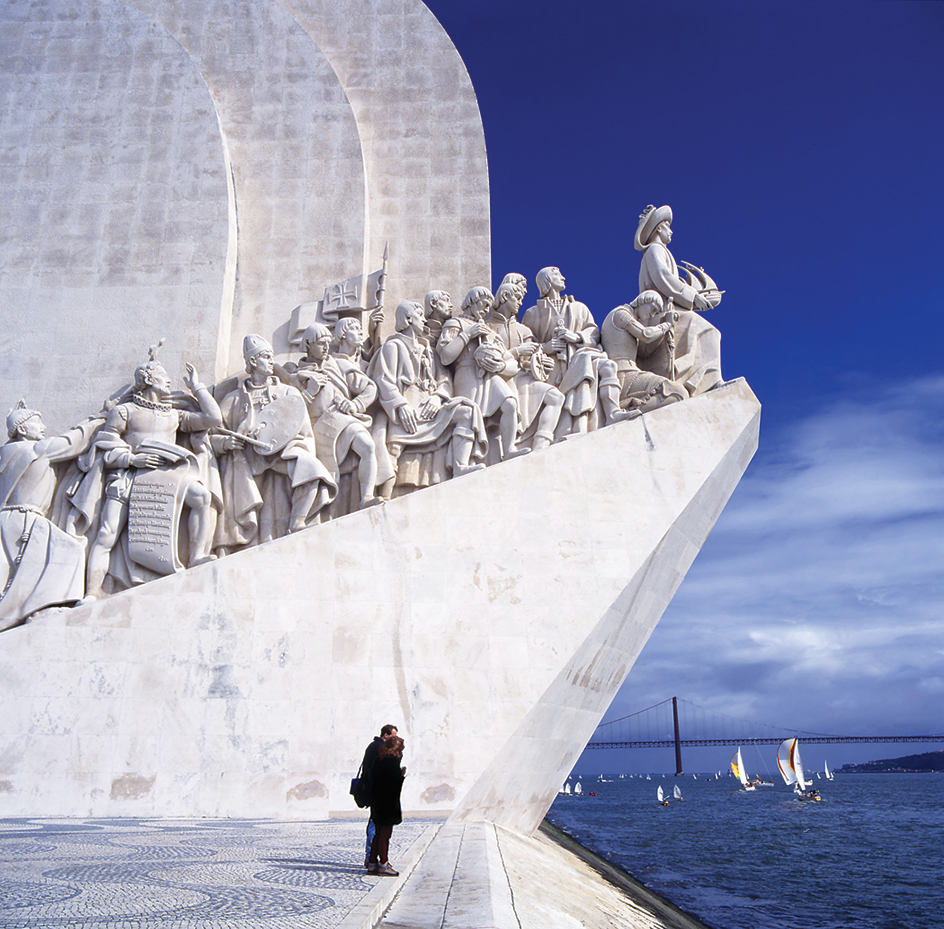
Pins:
<point x="191" y="874"/>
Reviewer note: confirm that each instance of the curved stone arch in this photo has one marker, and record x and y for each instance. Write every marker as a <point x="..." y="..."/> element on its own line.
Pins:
<point x="297" y="166"/>
<point x="112" y="204"/>
<point x="422" y="137"/>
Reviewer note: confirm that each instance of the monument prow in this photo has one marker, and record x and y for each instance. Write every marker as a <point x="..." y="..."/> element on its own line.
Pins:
<point x="493" y="617"/>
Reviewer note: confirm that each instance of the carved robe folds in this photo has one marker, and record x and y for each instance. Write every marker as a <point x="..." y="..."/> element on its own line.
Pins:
<point x="409" y="375"/>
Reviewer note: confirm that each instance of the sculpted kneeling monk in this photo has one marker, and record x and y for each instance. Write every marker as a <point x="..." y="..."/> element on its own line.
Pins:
<point x="273" y="481"/>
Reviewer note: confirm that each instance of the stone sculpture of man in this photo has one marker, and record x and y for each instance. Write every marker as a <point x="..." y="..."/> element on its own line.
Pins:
<point x="43" y="566"/>
<point x="438" y="308"/>
<point x="139" y="436"/>
<point x="337" y="401"/>
<point x="539" y="403"/>
<point x="443" y="433"/>
<point x="273" y="481"/>
<point x="481" y="366"/>
<point x="349" y="345"/>
<point x="636" y="329"/>
<point x="581" y="371"/>
<point x="697" y="342"/>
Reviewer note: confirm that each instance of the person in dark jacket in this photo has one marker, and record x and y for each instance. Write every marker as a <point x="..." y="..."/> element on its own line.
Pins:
<point x="370" y="756"/>
<point x="386" y="781"/>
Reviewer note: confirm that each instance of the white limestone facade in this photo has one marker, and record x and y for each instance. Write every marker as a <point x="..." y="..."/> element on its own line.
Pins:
<point x="492" y="618"/>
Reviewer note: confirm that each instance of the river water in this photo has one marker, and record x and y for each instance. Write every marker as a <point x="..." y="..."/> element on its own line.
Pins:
<point x="869" y="856"/>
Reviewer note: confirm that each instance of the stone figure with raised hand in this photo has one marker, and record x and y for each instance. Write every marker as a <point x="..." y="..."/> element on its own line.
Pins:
<point x="427" y="433"/>
<point x="643" y="328"/>
<point x="338" y="397"/>
<point x="141" y="478"/>
<point x="539" y="403"/>
<point x="42" y="565"/>
<point x="481" y="366"/>
<point x="581" y="370"/>
<point x="697" y="343"/>
<point x="273" y="480"/>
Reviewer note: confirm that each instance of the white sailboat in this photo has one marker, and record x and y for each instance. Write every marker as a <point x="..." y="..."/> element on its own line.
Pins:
<point x="660" y="796"/>
<point x="791" y="769"/>
<point x="677" y="793"/>
<point x="737" y="766"/>
<point x="578" y="789"/>
<point x="827" y="773"/>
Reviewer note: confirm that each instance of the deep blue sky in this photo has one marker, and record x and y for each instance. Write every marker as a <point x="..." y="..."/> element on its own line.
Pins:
<point x="800" y="146"/>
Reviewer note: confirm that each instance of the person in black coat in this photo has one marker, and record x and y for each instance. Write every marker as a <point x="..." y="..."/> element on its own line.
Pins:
<point x="386" y="781"/>
<point x="370" y="756"/>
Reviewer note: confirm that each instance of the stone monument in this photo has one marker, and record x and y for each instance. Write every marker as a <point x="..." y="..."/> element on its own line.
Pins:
<point x="216" y="594"/>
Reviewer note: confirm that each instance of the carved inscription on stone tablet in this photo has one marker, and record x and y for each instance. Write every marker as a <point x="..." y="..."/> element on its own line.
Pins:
<point x="153" y="517"/>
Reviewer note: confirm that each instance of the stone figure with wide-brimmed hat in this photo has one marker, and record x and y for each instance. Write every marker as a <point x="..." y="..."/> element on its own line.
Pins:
<point x="697" y="361"/>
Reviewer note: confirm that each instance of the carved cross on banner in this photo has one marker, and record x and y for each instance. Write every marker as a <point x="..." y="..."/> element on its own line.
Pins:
<point x="341" y="296"/>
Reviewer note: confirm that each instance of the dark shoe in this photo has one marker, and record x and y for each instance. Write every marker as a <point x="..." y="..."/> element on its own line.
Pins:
<point x="387" y="871"/>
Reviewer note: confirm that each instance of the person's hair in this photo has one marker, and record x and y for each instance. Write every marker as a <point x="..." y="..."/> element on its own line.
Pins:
<point x="407" y="308"/>
<point x="475" y="295"/>
<point x="505" y="291"/>
<point x="343" y="326"/>
<point x="543" y="280"/>
<point x="392" y="747"/>
<point x="389" y="729"/>
<point x="144" y="375"/>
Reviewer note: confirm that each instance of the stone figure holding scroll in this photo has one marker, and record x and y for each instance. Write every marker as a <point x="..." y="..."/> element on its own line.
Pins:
<point x="337" y="398"/>
<point x="539" y="402"/>
<point x="427" y="433"/>
<point x="697" y="342"/>
<point x="481" y="366"/>
<point x="273" y="480"/>
<point x="581" y="371"/>
<point x="42" y="565"/>
<point x="644" y="329"/>
<point x="146" y="480"/>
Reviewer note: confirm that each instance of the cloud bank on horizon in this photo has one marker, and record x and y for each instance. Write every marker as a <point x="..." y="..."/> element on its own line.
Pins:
<point x="817" y="601"/>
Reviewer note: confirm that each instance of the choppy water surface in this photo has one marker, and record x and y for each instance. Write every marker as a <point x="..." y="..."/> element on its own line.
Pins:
<point x="871" y="854"/>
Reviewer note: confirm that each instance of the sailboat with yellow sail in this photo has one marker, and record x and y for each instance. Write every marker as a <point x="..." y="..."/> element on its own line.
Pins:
<point x="740" y="772"/>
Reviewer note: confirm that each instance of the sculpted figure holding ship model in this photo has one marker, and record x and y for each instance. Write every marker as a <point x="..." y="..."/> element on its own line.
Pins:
<point x="697" y="343"/>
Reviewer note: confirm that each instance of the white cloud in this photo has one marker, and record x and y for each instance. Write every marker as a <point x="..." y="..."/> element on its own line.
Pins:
<point x="818" y="601"/>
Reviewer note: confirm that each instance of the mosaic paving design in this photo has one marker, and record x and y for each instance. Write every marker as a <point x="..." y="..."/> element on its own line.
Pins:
<point x="232" y="874"/>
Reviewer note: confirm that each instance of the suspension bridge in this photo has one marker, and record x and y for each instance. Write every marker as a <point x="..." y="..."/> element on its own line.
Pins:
<point x="676" y="723"/>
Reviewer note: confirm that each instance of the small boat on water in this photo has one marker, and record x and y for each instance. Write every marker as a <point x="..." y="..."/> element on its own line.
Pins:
<point x="791" y="769"/>
<point x="826" y="772"/>
<point x="677" y="793"/>
<point x="737" y="766"/>
<point x="578" y="789"/>
<point x="660" y="796"/>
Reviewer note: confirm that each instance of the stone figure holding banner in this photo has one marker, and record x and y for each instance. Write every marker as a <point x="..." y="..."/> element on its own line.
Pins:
<point x="273" y="481"/>
<point x="147" y="480"/>
<point x="697" y="342"/>
<point x="42" y="565"/>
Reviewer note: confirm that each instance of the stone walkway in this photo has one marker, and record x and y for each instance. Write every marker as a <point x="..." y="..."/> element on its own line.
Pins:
<point x="196" y="874"/>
